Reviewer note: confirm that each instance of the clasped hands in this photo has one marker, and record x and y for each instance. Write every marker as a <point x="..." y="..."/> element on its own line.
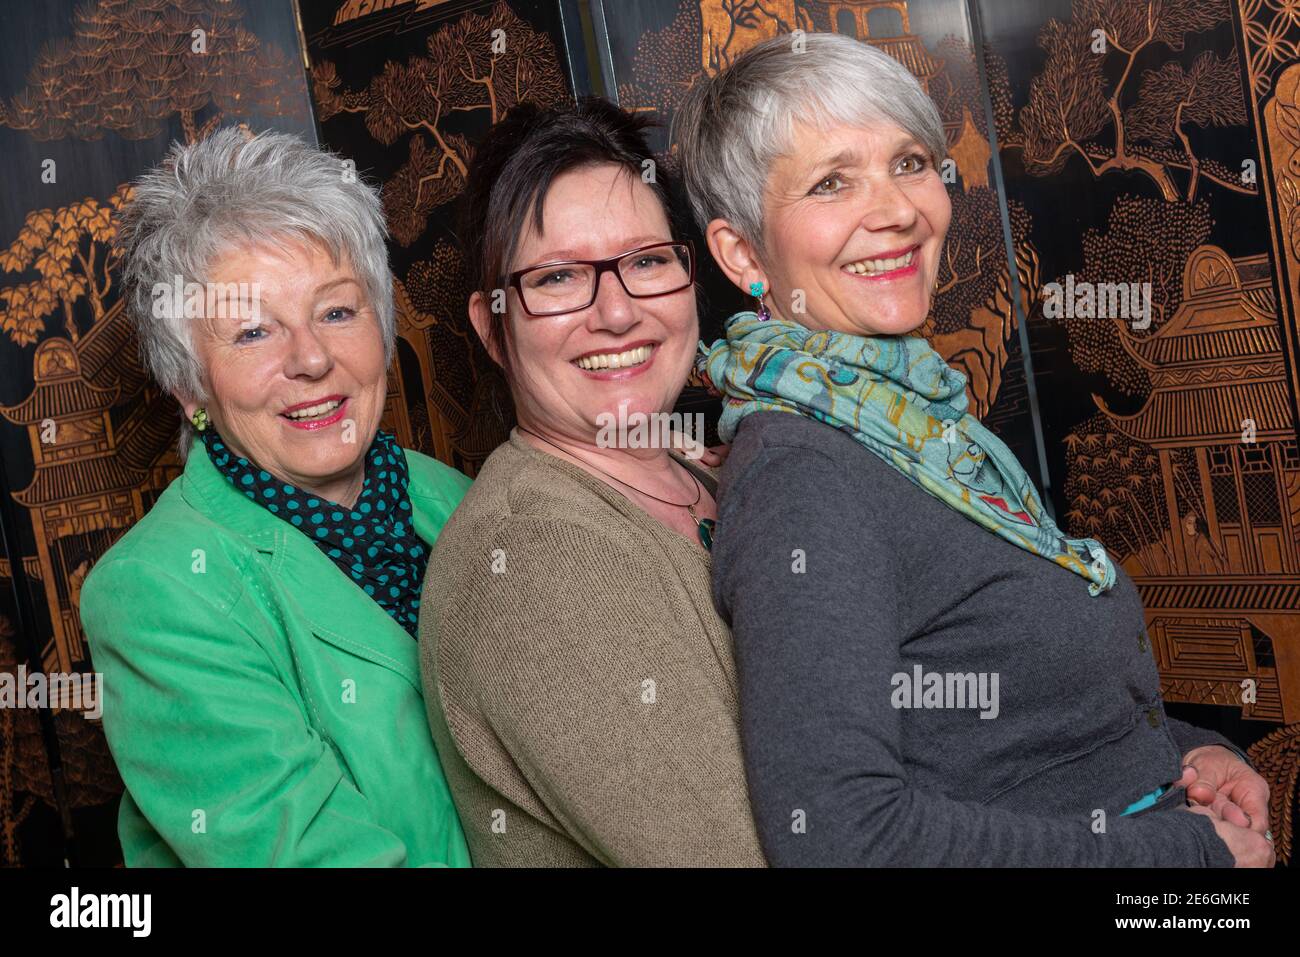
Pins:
<point x="1223" y="787"/>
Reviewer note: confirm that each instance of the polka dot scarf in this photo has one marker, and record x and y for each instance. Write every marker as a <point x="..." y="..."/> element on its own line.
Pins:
<point x="373" y="543"/>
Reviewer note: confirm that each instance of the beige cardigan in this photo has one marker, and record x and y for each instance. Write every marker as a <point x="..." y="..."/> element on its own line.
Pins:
<point x="579" y="684"/>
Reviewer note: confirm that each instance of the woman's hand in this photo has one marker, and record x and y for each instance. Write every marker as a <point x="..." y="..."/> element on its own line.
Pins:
<point x="715" y="455"/>
<point x="711" y="455"/>
<point x="1248" y="848"/>
<point x="1227" y="785"/>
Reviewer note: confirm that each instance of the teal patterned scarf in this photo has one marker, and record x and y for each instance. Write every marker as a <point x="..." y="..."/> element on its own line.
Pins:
<point x="898" y="397"/>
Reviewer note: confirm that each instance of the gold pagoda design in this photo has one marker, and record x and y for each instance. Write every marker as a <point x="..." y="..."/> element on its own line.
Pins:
<point x="1226" y="606"/>
<point x="871" y="22"/>
<point x="101" y="439"/>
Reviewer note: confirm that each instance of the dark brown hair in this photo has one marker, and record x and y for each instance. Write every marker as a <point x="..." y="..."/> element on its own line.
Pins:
<point x="513" y="169"/>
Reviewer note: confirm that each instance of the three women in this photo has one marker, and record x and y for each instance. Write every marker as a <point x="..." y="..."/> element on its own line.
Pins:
<point x="579" y="683"/>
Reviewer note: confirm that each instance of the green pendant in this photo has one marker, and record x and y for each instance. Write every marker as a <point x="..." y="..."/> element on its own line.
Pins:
<point x="705" y="527"/>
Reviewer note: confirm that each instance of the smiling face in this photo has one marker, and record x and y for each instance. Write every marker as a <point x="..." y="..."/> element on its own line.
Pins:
<point x="300" y="391"/>
<point x="855" y="217"/>
<point x="570" y="368"/>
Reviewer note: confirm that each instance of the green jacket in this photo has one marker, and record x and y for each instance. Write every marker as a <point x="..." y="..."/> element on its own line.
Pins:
<point x="261" y="708"/>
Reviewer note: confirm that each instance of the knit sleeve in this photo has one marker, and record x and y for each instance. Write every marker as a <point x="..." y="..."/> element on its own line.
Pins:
<point x="1188" y="737"/>
<point x="811" y="583"/>
<point x="566" y="645"/>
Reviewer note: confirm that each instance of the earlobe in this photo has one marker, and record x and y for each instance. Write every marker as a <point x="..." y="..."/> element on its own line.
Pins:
<point x="187" y="403"/>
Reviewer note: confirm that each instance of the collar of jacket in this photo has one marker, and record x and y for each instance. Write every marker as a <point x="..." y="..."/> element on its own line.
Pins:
<point x="335" y="609"/>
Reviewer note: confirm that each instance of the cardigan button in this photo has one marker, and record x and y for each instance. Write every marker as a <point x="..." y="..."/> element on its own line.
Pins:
<point x="1142" y="640"/>
<point x="1153" y="717"/>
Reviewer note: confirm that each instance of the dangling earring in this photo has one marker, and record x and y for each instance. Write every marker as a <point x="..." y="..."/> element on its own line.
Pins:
<point x="199" y="419"/>
<point x="756" y="290"/>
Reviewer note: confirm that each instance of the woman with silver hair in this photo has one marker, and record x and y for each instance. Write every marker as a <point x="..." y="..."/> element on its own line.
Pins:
<point x="256" y="630"/>
<point x="888" y="571"/>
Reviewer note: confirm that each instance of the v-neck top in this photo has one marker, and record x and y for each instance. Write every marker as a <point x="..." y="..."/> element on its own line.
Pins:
<point x="246" y="675"/>
<point x="580" y="684"/>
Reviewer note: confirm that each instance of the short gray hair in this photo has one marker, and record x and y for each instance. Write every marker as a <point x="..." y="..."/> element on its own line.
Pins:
<point x="731" y="126"/>
<point x="229" y="189"/>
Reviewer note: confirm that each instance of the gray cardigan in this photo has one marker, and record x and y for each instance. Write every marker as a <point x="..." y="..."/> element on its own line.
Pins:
<point x="838" y="576"/>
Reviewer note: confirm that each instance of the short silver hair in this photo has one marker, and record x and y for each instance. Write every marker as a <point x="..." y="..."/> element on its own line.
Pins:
<point x="731" y="126"/>
<point x="230" y="189"/>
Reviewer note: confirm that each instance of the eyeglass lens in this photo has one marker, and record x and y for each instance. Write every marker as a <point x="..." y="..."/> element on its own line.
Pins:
<point x="567" y="287"/>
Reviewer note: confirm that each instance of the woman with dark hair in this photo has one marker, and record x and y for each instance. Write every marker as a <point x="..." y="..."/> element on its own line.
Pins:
<point x="580" y="685"/>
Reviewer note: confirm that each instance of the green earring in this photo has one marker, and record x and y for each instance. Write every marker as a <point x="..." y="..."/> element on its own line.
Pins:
<point x="199" y="419"/>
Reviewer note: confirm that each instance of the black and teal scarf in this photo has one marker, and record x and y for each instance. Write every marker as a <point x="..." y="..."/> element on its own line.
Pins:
<point x="897" y="397"/>
<point x="373" y="542"/>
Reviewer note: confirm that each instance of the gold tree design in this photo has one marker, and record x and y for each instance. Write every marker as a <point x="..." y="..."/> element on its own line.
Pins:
<point x="1207" y="94"/>
<point x="72" y="250"/>
<point x="1146" y="240"/>
<point x="999" y="87"/>
<point x="980" y="346"/>
<point x="132" y="64"/>
<point x="470" y="67"/>
<point x="1114" y="490"/>
<point x="463" y="383"/>
<point x="753" y="19"/>
<point x="1069" y="105"/>
<point x="666" y="64"/>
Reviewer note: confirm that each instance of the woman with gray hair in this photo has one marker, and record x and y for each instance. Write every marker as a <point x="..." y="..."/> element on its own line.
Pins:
<point x="888" y="571"/>
<point x="256" y="630"/>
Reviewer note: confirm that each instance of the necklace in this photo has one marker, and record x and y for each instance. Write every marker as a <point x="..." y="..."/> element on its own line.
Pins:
<point x="704" y="527"/>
